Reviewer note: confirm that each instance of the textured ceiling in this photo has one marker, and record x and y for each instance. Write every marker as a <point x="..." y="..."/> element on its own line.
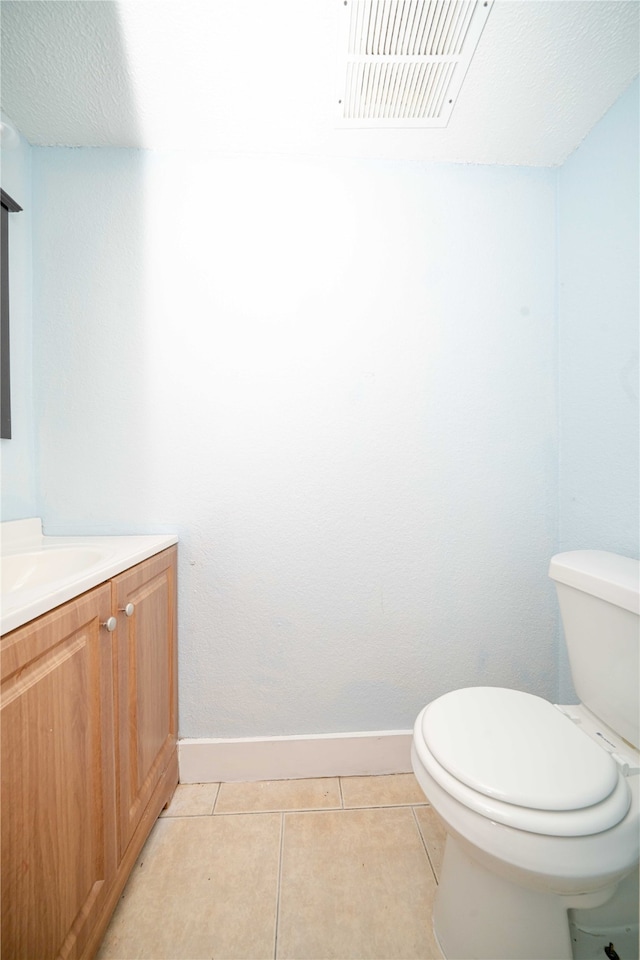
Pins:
<point x="259" y="76"/>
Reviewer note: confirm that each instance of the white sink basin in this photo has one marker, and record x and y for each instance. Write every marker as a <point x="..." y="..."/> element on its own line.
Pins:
<point x="26" y="571"/>
<point x="38" y="572"/>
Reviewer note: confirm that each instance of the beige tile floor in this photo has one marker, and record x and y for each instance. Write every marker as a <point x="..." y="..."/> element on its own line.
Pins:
<point x="341" y="868"/>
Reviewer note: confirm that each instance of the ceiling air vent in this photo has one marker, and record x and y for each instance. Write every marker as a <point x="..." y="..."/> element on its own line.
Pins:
<point x="403" y="61"/>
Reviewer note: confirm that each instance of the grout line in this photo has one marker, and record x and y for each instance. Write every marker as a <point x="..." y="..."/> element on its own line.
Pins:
<point x="215" y="800"/>
<point x="242" y="813"/>
<point x="238" y="813"/>
<point x="258" y="813"/>
<point x="424" y="844"/>
<point x="386" y="806"/>
<point x="341" y="794"/>
<point x="342" y="808"/>
<point x="382" y="806"/>
<point x="278" y="888"/>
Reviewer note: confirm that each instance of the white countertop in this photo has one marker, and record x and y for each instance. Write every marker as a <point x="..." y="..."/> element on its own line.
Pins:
<point x="52" y="570"/>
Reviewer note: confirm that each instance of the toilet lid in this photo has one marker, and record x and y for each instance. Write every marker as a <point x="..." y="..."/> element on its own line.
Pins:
<point x="517" y="748"/>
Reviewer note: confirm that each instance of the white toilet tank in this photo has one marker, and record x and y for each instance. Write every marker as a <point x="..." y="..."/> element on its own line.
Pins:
<point x="599" y="597"/>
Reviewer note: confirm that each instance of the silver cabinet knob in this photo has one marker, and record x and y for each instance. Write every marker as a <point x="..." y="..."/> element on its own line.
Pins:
<point x="128" y="610"/>
<point x="110" y="624"/>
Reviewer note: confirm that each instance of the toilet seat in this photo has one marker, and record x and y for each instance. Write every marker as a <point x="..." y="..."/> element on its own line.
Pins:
<point x="518" y="748"/>
<point x="515" y="759"/>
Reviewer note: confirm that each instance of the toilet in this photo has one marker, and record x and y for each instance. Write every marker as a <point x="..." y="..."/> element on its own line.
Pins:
<point x="541" y="802"/>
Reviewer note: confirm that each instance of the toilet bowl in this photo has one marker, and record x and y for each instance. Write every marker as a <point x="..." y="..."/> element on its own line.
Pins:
<point x="541" y="803"/>
<point x="512" y="872"/>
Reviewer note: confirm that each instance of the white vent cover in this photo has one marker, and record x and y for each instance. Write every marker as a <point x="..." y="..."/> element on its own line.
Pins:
<point x="403" y="61"/>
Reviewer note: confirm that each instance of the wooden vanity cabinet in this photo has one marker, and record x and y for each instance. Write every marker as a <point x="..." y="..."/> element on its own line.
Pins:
<point x="89" y="757"/>
<point x="146" y="677"/>
<point x="58" y="779"/>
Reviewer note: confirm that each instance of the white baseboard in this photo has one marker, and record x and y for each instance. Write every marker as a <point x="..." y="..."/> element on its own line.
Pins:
<point x="295" y="758"/>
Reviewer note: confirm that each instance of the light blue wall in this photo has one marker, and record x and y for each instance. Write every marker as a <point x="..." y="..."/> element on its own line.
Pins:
<point x="18" y="454"/>
<point x="599" y="327"/>
<point x="336" y="381"/>
<point x="599" y="312"/>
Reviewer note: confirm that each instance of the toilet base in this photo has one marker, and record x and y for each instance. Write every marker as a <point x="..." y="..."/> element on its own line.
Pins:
<point x="617" y="922"/>
<point x="479" y="915"/>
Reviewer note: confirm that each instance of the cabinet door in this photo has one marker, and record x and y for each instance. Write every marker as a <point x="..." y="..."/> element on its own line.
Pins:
<point x="146" y="684"/>
<point x="58" y="795"/>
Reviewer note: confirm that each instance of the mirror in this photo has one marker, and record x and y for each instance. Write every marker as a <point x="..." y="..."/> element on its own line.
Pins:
<point x="7" y="206"/>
